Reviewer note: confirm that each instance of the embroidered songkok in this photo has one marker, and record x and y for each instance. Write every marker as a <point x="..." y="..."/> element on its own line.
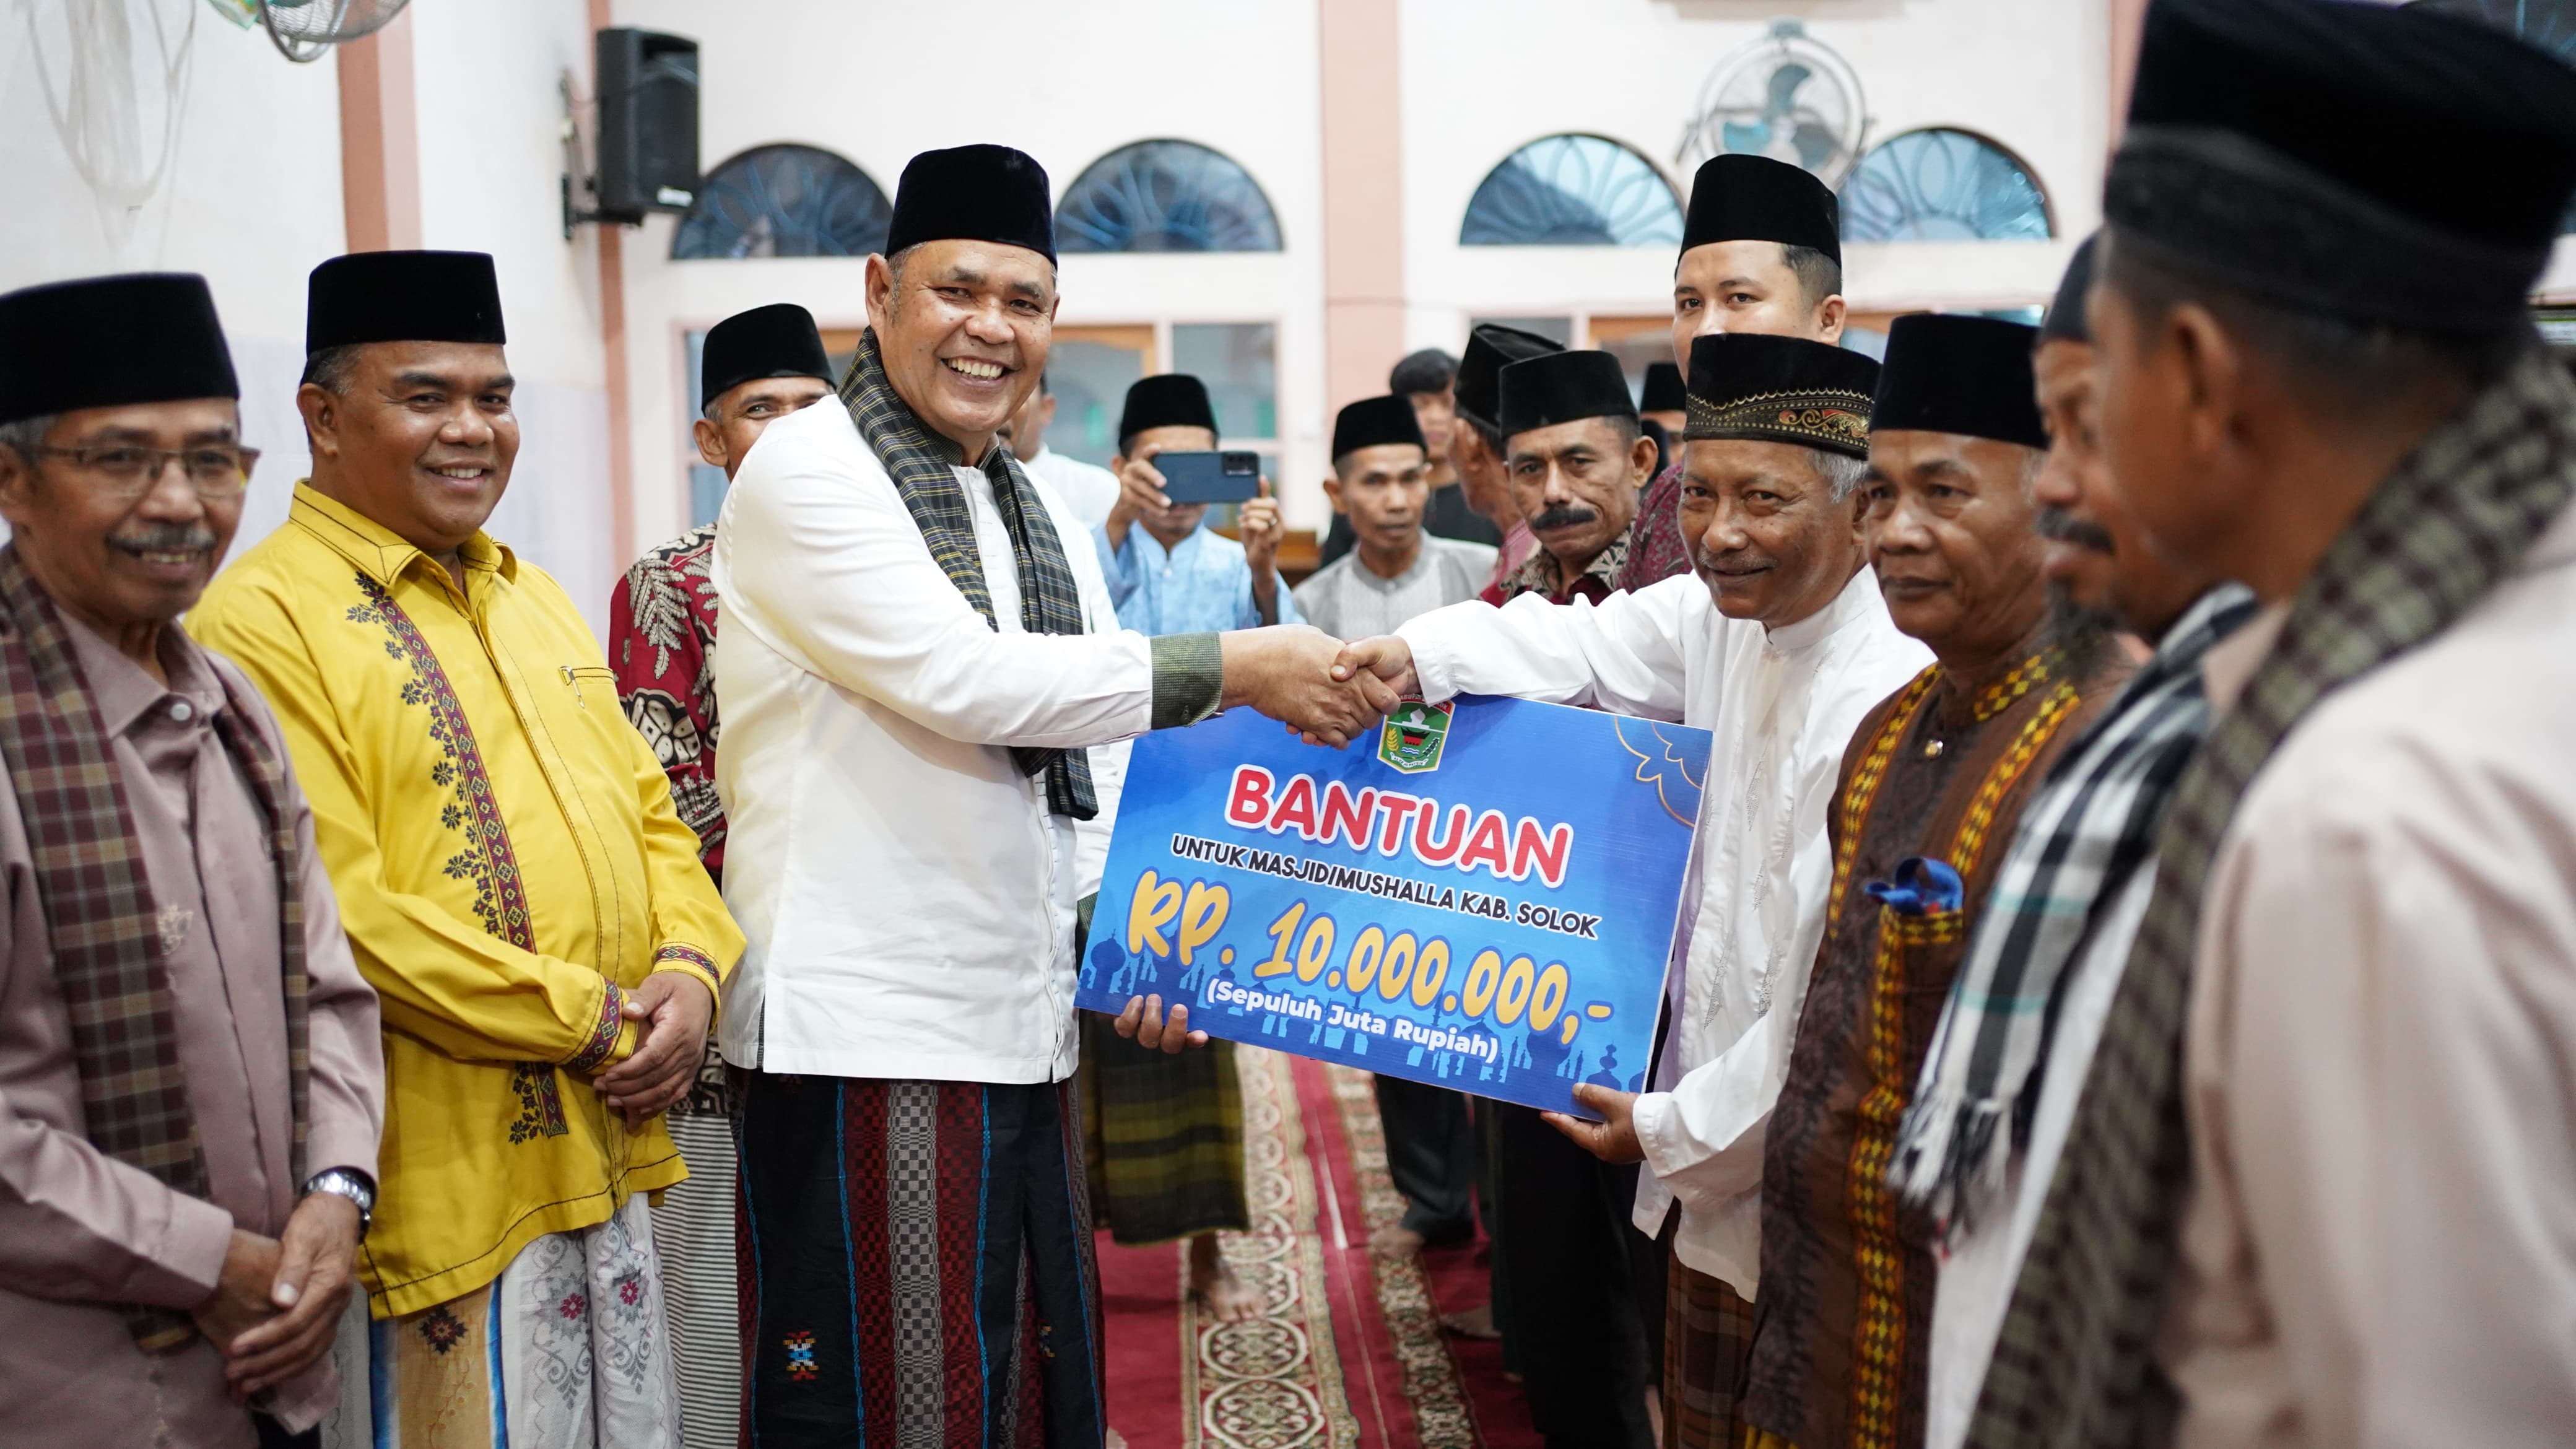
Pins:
<point x="1780" y="390"/>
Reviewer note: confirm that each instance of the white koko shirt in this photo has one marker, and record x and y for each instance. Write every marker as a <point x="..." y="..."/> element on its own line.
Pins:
<point x="1782" y="704"/>
<point x="906" y="897"/>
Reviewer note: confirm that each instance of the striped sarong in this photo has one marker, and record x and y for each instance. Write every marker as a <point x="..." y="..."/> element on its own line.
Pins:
<point x="1164" y="1137"/>
<point x="918" y="1265"/>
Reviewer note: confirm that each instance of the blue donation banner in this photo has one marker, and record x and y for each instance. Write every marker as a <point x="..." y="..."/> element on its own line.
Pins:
<point x="1480" y="895"/>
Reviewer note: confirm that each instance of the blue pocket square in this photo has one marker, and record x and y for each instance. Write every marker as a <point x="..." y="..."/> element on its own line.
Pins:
<point x="1923" y="887"/>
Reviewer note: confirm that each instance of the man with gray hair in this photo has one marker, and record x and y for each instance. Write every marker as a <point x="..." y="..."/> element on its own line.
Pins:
<point x="1779" y="643"/>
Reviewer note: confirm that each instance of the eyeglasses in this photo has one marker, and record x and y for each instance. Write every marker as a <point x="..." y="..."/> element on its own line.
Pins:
<point x="218" y="472"/>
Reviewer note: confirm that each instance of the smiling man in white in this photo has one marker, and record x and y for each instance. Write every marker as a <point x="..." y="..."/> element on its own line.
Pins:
<point x="909" y="686"/>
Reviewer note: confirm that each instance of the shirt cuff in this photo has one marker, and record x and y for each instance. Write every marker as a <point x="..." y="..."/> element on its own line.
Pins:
<point x="1656" y="1119"/>
<point x="1189" y="679"/>
<point x="1432" y="657"/>
<point x="697" y="964"/>
<point x="607" y="1030"/>
<point x="191" y="1259"/>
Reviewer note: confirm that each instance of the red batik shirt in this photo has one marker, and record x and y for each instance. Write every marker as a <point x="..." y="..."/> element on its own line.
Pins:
<point x="661" y="643"/>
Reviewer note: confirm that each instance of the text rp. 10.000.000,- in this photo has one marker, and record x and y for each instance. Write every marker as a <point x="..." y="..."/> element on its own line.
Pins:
<point x="1480" y="895"/>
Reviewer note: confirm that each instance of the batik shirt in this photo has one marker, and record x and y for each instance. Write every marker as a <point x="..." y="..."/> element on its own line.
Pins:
<point x="508" y="866"/>
<point x="1846" y="1286"/>
<point x="662" y="645"/>
<point x="1538" y="573"/>
<point x="1656" y="548"/>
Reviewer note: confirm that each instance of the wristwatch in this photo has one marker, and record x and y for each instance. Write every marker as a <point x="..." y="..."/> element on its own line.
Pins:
<point x="351" y="1184"/>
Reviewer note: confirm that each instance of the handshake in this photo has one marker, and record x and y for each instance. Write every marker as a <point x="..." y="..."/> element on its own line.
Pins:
<point x="1325" y="691"/>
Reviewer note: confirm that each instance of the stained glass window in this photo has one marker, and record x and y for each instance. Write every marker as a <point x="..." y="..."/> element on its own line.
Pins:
<point x="1942" y="185"/>
<point x="2549" y="24"/>
<point x="1165" y="196"/>
<point x="1573" y="191"/>
<point x="784" y="201"/>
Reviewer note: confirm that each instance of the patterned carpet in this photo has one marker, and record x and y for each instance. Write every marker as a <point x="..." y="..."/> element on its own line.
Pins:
<point x="1349" y="1354"/>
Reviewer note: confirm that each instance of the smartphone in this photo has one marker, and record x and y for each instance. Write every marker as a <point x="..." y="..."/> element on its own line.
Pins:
<point x="1209" y="477"/>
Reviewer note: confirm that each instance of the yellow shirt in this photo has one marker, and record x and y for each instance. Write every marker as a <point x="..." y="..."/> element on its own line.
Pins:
<point x="504" y="848"/>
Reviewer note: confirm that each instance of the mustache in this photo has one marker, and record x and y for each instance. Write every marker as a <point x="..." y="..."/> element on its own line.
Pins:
<point x="1563" y="515"/>
<point x="165" y="538"/>
<point x="2057" y="524"/>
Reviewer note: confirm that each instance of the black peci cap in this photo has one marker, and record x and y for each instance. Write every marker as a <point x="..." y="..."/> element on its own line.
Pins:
<point x="1373" y="421"/>
<point x="2066" y="320"/>
<point x="106" y="342"/>
<point x="1563" y="387"/>
<point x="1489" y="349"/>
<point x="1663" y="392"/>
<point x="1754" y="198"/>
<point x="402" y="297"/>
<point x="1167" y="400"/>
<point x="1765" y="389"/>
<point x="977" y="193"/>
<point x="1964" y="375"/>
<point x="778" y="340"/>
<point x="2392" y="165"/>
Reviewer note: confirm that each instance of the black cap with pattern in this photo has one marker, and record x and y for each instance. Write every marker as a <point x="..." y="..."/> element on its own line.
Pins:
<point x="1764" y="389"/>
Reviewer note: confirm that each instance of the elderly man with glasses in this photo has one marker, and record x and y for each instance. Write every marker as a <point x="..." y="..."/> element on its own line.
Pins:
<point x="193" y="1084"/>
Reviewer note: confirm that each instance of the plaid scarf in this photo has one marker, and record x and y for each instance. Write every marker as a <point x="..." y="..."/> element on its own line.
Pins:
<point x="2091" y="824"/>
<point x="99" y="914"/>
<point x="920" y="462"/>
<point x="2073" y="1366"/>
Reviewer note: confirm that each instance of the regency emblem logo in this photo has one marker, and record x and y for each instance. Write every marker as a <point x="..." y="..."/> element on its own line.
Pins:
<point x="1411" y="739"/>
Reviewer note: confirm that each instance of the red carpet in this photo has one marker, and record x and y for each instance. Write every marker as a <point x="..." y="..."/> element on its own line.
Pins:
<point x="1349" y="1355"/>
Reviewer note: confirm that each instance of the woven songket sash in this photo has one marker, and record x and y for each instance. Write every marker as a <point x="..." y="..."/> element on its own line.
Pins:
<point x="2080" y="839"/>
<point x="2074" y="1364"/>
<point x="919" y="462"/>
<point x="99" y="914"/>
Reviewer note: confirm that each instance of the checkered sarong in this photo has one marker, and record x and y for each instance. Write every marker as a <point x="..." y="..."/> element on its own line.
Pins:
<point x="2074" y="1366"/>
<point x="921" y="463"/>
<point x="1708" y="1338"/>
<point x="101" y="922"/>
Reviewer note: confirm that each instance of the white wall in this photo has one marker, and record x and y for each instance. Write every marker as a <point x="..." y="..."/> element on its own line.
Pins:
<point x="246" y="189"/>
<point x="1480" y="82"/>
<point x="1065" y="83"/>
<point x="491" y="159"/>
<point x="250" y="196"/>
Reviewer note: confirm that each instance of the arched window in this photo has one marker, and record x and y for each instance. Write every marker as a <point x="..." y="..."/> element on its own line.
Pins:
<point x="1165" y="196"/>
<point x="1943" y="185"/>
<point x="1573" y="191"/>
<point x="2549" y="24"/>
<point x="784" y="201"/>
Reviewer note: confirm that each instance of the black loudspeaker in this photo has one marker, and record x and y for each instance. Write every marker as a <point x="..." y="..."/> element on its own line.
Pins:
<point x="648" y="123"/>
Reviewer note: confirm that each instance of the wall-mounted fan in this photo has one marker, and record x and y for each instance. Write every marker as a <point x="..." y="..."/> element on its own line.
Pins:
<point x="1787" y="96"/>
<point x="305" y="30"/>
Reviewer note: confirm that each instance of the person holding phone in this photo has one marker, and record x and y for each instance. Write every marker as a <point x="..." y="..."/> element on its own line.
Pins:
<point x="1168" y="572"/>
